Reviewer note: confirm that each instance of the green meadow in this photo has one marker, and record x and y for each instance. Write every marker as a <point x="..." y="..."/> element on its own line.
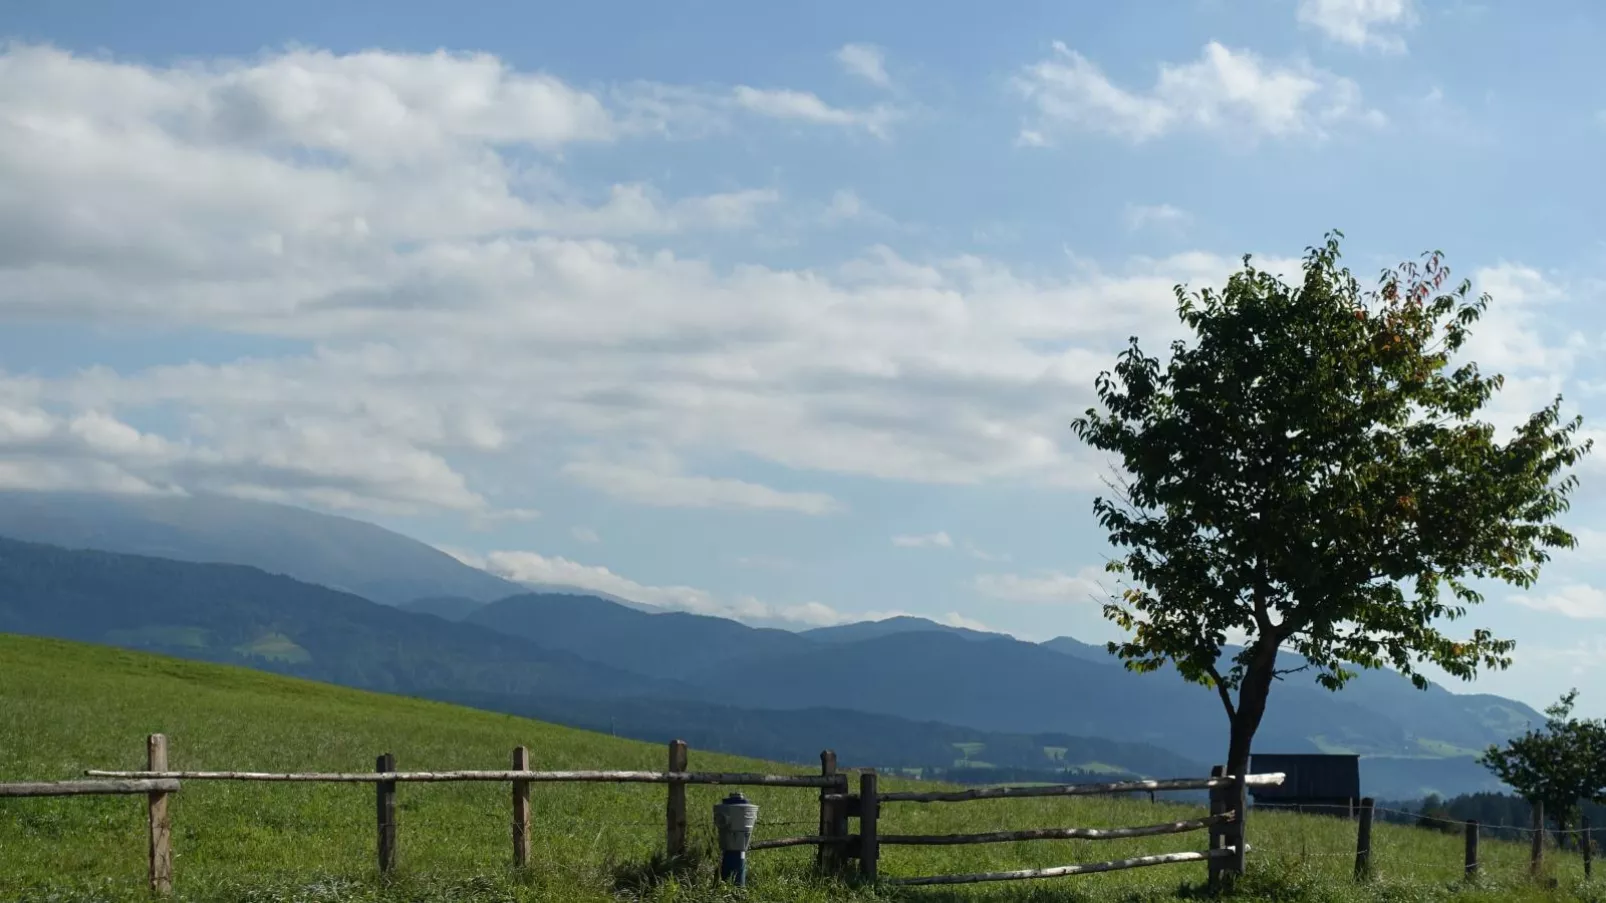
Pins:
<point x="66" y="707"/>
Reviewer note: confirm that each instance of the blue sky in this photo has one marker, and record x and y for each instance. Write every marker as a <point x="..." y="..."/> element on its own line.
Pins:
<point x="747" y="308"/>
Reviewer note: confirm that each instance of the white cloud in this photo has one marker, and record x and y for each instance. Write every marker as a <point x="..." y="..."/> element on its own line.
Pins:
<point x="1142" y="216"/>
<point x="1054" y="587"/>
<point x="636" y="209"/>
<point x="584" y="534"/>
<point x="939" y="540"/>
<point x="662" y="486"/>
<point x="845" y="204"/>
<point x="321" y="462"/>
<point x="531" y="567"/>
<point x="865" y="61"/>
<point x="804" y="106"/>
<point x="427" y="338"/>
<point x="1234" y="93"/>
<point x="1360" y="23"/>
<point x="1576" y="600"/>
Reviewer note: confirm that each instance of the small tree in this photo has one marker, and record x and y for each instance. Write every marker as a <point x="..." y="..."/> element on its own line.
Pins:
<point x="1309" y="473"/>
<point x="1559" y="767"/>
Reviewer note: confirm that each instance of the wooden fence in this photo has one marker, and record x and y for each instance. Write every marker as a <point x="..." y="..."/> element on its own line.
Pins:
<point x="836" y="844"/>
<point x="1226" y="824"/>
<point x="1473" y="831"/>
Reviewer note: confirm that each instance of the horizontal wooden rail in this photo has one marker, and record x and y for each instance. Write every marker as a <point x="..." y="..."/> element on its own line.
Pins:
<point x="1002" y="793"/>
<point x="601" y="777"/>
<point x="88" y="788"/>
<point x="1114" y="865"/>
<point x="1176" y="827"/>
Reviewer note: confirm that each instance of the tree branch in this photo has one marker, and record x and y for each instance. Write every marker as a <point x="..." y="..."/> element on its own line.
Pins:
<point x="1278" y="674"/>
<point x="1223" y="692"/>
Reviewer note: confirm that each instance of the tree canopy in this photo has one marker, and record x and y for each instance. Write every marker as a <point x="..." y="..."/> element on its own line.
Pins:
<point x="1309" y="471"/>
<point x="1559" y="766"/>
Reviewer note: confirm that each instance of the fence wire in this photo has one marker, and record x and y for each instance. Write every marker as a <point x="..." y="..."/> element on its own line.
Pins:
<point x="1416" y="850"/>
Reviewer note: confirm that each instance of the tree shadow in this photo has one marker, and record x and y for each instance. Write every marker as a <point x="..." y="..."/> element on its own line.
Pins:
<point x="639" y="877"/>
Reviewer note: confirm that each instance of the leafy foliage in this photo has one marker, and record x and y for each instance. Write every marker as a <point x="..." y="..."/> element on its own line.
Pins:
<point x="1311" y="472"/>
<point x="1558" y="767"/>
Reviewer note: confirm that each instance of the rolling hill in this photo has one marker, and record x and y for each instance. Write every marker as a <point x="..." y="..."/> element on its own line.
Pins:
<point x="241" y="615"/>
<point x="570" y="647"/>
<point x="917" y="669"/>
<point x="1010" y="686"/>
<point x="83" y="706"/>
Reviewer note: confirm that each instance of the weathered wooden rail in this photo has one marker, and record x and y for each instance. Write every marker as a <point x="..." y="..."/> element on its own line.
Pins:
<point x="157" y="780"/>
<point x="155" y="790"/>
<point x="87" y="788"/>
<point x="1225" y="853"/>
<point x="836" y="845"/>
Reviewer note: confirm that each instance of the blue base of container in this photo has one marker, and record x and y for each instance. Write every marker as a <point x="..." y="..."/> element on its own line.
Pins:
<point x="733" y="867"/>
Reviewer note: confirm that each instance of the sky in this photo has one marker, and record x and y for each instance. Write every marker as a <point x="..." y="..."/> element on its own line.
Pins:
<point x="775" y="311"/>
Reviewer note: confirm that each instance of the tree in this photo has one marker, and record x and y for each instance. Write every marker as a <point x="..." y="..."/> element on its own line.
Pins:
<point x="1309" y="473"/>
<point x="1559" y="767"/>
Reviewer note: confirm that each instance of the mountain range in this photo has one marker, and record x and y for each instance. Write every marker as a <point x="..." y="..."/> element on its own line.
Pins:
<point x="900" y="693"/>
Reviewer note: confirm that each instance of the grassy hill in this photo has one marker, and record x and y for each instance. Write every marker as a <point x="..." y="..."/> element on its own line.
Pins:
<point x="68" y="706"/>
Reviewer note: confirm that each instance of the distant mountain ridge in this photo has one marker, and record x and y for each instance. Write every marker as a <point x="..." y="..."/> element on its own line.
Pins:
<point x="241" y="615"/>
<point x="337" y="552"/>
<point x="869" y="630"/>
<point x="667" y="644"/>
<point x="569" y="645"/>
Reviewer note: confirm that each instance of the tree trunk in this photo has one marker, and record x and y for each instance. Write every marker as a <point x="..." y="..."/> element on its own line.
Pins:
<point x="1252" y="695"/>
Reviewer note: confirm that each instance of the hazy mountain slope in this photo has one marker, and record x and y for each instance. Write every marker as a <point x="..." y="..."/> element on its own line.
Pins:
<point x="1437" y="722"/>
<point x="869" y="630"/>
<point x="451" y="608"/>
<point x="1007" y="685"/>
<point x="338" y="552"/>
<point x="665" y="644"/>
<point x="237" y="614"/>
<point x="1087" y="651"/>
<point x="798" y="736"/>
<point x="241" y="615"/>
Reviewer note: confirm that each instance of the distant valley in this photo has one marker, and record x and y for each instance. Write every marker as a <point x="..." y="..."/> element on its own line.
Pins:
<point x="903" y="693"/>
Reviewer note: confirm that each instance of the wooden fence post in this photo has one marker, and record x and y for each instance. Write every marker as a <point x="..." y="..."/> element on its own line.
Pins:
<point x="675" y="810"/>
<point x="161" y="830"/>
<point x="1472" y="849"/>
<point x="828" y="855"/>
<point x="1239" y="827"/>
<point x="869" y="816"/>
<point x="521" y="809"/>
<point x="1536" y="860"/>
<point x="1589" y="848"/>
<point x="1363" y="842"/>
<point x="1216" y="835"/>
<point x="385" y="806"/>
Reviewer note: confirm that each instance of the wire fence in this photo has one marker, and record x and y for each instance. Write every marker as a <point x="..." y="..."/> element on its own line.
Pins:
<point x="1409" y="848"/>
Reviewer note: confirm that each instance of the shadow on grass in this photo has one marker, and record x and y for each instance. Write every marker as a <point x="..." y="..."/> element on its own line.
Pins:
<point x="1050" y="891"/>
<point x="638" y="878"/>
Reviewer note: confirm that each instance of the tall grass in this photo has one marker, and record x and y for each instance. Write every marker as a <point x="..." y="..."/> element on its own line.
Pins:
<point x="66" y="707"/>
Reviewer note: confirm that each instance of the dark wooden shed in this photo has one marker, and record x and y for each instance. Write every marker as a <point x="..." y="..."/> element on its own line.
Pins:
<point x="1315" y="782"/>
